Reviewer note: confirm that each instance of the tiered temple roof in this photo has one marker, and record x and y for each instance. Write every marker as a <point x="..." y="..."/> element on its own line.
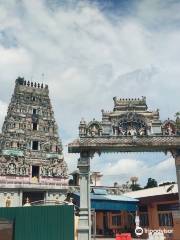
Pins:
<point x="30" y="148"/>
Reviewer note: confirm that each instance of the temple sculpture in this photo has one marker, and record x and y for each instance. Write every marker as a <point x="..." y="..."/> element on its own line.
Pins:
<point x="30" y="149"/>
<point x="130" y="117"/>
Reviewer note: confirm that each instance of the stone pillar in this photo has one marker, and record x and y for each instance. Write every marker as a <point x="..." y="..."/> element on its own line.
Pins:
<point x="178" y="177"/>
<point x="176" y="214"/>
<point x="177" y="163"/>
<point x="84" y="226"/>
<point x="46" y="196"/>
<point x="20" y="197"/>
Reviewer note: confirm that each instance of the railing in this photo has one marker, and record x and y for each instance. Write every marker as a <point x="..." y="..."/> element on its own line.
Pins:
<point x="49" y="202"/>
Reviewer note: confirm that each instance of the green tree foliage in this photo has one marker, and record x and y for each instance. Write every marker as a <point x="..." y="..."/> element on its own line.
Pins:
<point x="151" y="183"/>
<point x="135" y="187"/>
<point x="166" y="183"/>
<point x="177" y="114"/>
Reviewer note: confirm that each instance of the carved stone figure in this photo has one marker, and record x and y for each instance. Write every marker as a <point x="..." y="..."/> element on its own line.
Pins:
<point x="8" y="202"/>
<point x="93" y="130"/>
<point x="142" y="131"/>
<point x="169" y="127"/>
<point x="11" y="168"/>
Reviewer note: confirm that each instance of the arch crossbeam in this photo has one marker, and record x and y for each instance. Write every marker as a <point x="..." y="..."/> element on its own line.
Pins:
<point x="125" y="144"/>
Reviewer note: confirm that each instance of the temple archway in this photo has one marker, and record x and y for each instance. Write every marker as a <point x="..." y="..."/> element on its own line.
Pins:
<point x="130" y="127"/>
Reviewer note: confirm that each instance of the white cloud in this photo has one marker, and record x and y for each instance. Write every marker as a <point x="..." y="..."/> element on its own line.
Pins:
<point x="123" y="169"/>
<point x="88" y="58"/>
<point x="13" y="57"/>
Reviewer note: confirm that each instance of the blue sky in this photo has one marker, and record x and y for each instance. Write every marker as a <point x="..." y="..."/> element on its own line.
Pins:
<point x="89" y="52"/>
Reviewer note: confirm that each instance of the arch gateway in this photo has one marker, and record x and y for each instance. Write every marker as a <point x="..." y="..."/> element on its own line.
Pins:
<point x="130" y="127"/>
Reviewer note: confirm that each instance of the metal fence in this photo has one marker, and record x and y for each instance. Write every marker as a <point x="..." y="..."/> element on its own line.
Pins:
<point x="37" y="222"/>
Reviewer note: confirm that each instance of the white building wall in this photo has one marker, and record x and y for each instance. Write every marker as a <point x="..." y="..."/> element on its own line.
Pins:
<point x="15" y="196"/>
<point x="55" y="196"/>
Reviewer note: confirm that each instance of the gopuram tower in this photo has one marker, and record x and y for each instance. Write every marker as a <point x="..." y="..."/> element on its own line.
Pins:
<point x="31" y="160"/>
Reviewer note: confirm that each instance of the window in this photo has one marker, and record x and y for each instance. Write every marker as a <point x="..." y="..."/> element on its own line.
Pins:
<point x="35" y="171"/>
<point x="143" y="208"/>
<point x="34" y="110"/>
<point x="165" y="219"/>
<point x="165" y="214"/>
<point x="35" y="145"/>
<point x="131" y="219"/>
<point x="35" y="126"/>
<point x="144" y="220"/>
<point x="116" y="220"/>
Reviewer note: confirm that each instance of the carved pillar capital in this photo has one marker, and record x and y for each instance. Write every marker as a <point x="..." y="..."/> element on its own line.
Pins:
<point x="84" y="162"/>
<point x="86" y="154"/>
<point x="175" y="153"/>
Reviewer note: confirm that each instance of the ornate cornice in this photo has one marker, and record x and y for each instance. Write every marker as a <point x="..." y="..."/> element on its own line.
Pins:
<point x="125" y="144"/>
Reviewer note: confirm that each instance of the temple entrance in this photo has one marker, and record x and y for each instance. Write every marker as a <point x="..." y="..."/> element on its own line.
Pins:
<point x="129" y="127"/>
<point x="33" y="196"/>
